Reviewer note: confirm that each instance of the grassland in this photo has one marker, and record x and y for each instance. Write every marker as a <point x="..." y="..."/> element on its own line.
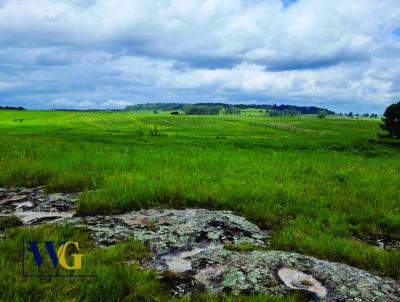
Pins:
<point x="318" y="183"/>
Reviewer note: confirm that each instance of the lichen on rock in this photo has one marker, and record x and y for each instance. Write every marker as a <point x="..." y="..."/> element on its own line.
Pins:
<point x="188" y="247"/>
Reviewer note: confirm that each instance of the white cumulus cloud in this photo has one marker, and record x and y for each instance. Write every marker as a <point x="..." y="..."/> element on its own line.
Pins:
<point x="336" y="53"/>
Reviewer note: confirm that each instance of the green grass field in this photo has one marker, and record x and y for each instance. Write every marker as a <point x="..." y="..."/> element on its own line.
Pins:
<point x="318" y="183"/>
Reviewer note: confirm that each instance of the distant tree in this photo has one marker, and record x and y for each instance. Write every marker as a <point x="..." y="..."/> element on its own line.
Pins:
<point x="291" y="112"/>
<point x="201" y="110"/>
<point x="155" y="112"/>
<point x="391" y="120"/>
<point x="366" y="115"/>
<point x="174" y="113"/>
<point x="275" y="113"/>
<point x="322" y="113"/>
<point x="350" y="114"/>
<point x="231" y="110"/>
<point x="373" y="115"/>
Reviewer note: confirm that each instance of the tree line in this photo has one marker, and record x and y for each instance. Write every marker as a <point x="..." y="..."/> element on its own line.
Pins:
<point x="11" y="108"/>
<point x="212" y="108"/>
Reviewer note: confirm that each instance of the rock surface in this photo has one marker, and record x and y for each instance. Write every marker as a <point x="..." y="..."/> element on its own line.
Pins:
<point x="189" y="243"/>
<point x="384" y="241"/>
<point x="275" y="272"/>
<point x="33" y="206"/>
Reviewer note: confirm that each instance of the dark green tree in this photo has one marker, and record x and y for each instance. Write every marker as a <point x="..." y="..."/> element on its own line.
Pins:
<point x="291" y="112"/>
<point x="231" y="110"/>
<point x="391" y="121"/>
<point x="275" y="113"/>
<point x="322" y="113"/>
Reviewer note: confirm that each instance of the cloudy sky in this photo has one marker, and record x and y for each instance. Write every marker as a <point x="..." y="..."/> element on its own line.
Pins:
<point x="339" y="54"/>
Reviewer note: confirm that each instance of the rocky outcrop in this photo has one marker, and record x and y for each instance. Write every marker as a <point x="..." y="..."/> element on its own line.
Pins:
<point x="167" y="231"/>
<point x="33" y="206"/>
<point x="189" y="247"/>
<point x="283" y="272"/>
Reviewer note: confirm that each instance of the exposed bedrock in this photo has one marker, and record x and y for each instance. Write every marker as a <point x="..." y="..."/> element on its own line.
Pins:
<point x="188" y="246"/>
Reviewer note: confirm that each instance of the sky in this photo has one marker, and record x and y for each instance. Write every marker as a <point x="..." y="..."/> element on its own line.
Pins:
<point x="337" y="54"/>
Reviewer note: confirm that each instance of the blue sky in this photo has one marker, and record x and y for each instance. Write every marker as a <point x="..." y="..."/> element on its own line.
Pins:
<point x="339" y="54"/>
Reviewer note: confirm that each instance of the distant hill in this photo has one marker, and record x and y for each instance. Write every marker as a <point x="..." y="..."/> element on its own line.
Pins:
<point x="274" y="107"/>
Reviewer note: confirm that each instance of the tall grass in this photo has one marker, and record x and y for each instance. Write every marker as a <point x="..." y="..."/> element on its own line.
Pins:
<point x="318" y="183"/>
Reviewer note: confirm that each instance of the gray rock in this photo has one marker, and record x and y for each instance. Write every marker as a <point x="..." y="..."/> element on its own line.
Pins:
<point x="167" y="231"/>
<point x="190" y="244"/>
<point x="33" y="206"/>
<point x="282" y="272"/>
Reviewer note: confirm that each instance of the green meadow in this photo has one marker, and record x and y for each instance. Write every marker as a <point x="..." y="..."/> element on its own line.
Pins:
<point x="320" y="185"/>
